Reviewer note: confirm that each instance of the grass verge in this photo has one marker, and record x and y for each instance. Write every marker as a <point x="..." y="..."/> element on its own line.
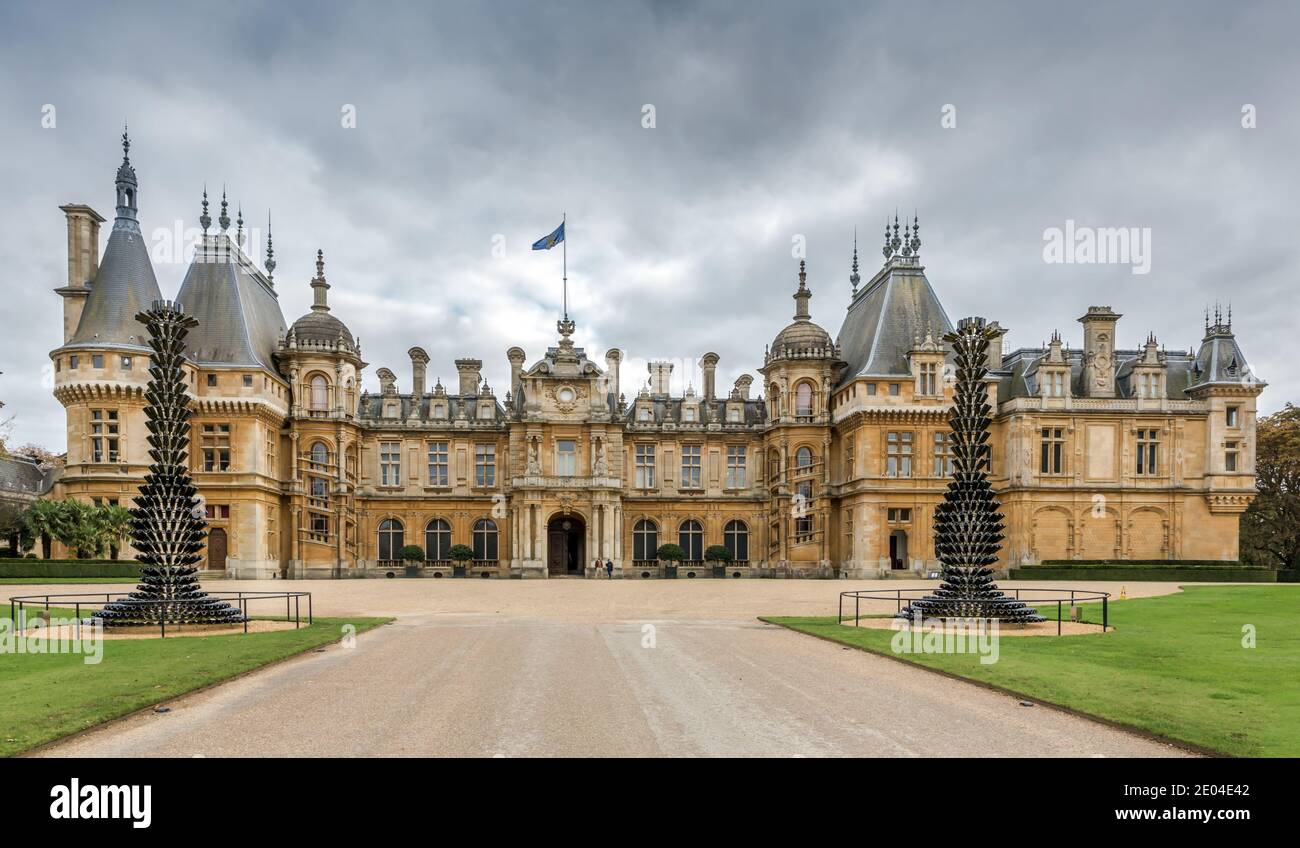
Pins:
<point x="1176" y="666"/>
<point x="48" y="696"/>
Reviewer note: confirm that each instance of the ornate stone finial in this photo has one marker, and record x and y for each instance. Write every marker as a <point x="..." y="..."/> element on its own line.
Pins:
<point x="916" y="235"/>
<point x="270" y="252"/>
<point x="855" y="278"/>
<point x="895" y="243"/>
<point x="802" y="295"/>
<point x="224" y="220"/>
<point x="319" y="287"/>
<point x="126" y="145"/>
<point x="239" y="222"/>
<point x="205" y="219"/>
<point x="887" y="250"/>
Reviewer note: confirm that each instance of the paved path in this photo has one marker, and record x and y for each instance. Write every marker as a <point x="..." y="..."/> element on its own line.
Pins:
<point x="474" y="684"/>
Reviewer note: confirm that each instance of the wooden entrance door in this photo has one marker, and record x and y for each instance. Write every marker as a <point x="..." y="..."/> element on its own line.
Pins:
<point x="557" y="551"/>
<point x="217" y="548"/>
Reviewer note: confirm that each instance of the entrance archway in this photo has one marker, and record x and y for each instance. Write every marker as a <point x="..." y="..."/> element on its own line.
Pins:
<point x="566" y="540"/>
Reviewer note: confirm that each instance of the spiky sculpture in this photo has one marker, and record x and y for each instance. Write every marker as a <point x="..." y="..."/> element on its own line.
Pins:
<point x="967" y="525"/>
<point x="166" y="527"/>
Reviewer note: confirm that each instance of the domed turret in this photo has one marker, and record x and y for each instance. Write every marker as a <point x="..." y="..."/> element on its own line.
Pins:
<point x="803" y="335"/>
<point x="319" y="325"/>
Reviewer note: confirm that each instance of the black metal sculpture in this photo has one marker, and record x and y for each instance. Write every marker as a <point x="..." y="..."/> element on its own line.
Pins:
<point x="167" y="528"/>
<point x="967" y="525"/>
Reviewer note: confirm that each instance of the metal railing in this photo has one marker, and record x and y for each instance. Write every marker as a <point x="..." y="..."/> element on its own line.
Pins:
<point x="1057" y="596"/>
<point x="94" y="600"/>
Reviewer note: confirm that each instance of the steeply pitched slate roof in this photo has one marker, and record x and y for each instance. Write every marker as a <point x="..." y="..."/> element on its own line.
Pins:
<point x="1019" y="375"/>
<point x="239" y="316"/>
<point x="123" y="287"/>
<point x="1220" y="360"/>
<point x="22" y="475"/>
<point x="371" y="407"/>
<point x="886" y="318"/>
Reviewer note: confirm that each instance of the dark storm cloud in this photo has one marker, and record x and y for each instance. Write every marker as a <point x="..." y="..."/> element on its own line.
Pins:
<point x="773" y="121"/>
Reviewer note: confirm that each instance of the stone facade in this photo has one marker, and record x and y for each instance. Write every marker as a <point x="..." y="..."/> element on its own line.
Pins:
<point x="833" y="468"/>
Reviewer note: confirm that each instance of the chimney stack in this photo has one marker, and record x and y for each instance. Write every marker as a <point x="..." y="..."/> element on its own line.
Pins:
<point x="660" y="373"/>
<point x="613" y="358"/>
<point x="471" y="374"/>
<point x="83" y="263"/>
<point x="743" y="382"/>
<point x="516" y="356"/>
<point x="709" y="366"/>
<point x="995" y="347"/>
<point x="1099" y="351"/>
<point x="419" y="359"/>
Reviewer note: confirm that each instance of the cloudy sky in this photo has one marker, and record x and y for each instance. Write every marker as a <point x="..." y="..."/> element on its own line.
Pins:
<point x="478" y="124"/>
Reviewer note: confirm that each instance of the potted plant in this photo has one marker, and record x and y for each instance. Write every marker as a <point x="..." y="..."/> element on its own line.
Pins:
<point x="719" y="556"/>
<point x="413" y="556"/>
<point x="670" y="555"/>
<point x="460" y="554"/>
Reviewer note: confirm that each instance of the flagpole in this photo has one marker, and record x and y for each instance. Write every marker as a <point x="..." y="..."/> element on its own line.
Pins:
<point x="564" y="218"/>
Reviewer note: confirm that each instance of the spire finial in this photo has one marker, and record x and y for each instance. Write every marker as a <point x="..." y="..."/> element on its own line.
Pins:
<point x="239" y="233"/>
<point x="916" y="234"/>
<point x="270" y="252"/>
<point x="802" y="295"/>
<point x="895" y="243"/>
<point x="887" y="250"/>
<point x="205" y="219"/>
<point x="318" y="285"/>
<point x="855" y="278"/>
<point x="224" y="220"/>
<point x="126" y="145"/>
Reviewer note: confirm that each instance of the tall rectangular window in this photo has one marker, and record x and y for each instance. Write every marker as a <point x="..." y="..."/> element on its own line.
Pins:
<point x="850" y="458"/>
<point x="1052" y="451"/>
<point x="898" y="454"/>
<point x="691" y="465"/>
<point x="1231" y="415"/>
<point x="103" y="435"/>
<point x="1147" y="446"/>
<point x="390" y="463"/>
<point x="929" y="380"/>
<point x="736" y="455"/>
<point x="1230" y="456"/>
<point x="566" y="458"/>
<point x="485" y="465"/>
<point x="943" y="454"/>
<point x="215" y="443"/>
<point x="645" y="466"/>
<point x="438" y="470"/>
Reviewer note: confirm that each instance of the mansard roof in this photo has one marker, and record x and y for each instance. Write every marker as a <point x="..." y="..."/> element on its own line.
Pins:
<point x="1018" y="376"/>
<point x="886" y="317"/>
<point x="371" y="408"/>
<point x="669" y="409"/>
<point x="1220" y="360"/>
<point x="240" y="323"/>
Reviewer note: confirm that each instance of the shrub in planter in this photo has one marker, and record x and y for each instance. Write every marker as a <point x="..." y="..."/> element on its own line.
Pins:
<point x="460" y="554"/>
<point x="413" y="556"/>
<point x="719" y="556"/>
<point x="670" y="555"/>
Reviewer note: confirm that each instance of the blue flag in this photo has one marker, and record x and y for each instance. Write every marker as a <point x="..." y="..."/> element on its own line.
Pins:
<point x="547" y="242"/>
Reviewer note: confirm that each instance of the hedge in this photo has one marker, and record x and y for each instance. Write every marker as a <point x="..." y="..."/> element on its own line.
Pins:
<point x="1289" y="576"/>
<point x="69" y="568"/>
<point x="1177" y="573"/>
<point x="1143" y="563"/>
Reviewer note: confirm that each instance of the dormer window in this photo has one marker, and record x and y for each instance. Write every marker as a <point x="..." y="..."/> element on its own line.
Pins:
<point x="927" y="379"/>
<point x="688" y="413"/>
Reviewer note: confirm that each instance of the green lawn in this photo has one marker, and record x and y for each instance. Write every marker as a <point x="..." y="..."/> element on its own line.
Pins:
<point x="45" y="696"/>
<point x="1174" y="665"/>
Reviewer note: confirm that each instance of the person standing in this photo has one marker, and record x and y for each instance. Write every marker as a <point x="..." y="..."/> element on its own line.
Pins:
<point x="609" y="568"/>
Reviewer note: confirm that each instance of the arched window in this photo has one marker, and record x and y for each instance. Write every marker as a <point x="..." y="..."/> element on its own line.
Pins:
<point x="320" y="394"/>
<point x="803" y="404"/>
<point x="691" y="538"/>
<point x="485" y="540"/>
<point x="437" y="540"/>
<point x="392" y="537"/>
<point x="803" y="458"/>
<point x="774" y="400"/>
<point x="320" y="453"/>
<point x="645" y="540"/>
<point x="736" y="537"/>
